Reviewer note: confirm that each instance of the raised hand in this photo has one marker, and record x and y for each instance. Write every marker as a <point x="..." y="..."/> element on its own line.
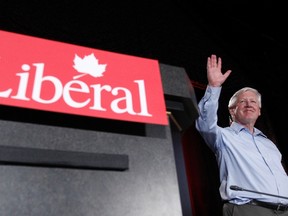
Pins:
<point x="214" y="74"/>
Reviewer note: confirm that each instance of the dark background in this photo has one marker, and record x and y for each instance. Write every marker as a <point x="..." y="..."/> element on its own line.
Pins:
<point x="251" y="39"/>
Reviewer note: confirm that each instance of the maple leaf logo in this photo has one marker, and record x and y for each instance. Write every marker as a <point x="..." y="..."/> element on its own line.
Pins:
<point x="88" y="65"/>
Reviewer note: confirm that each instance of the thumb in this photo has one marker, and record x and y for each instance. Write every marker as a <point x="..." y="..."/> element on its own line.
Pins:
<point x="227" y="74"/>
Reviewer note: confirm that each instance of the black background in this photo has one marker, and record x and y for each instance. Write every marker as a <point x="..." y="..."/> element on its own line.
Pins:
<point x="251" y="39"/>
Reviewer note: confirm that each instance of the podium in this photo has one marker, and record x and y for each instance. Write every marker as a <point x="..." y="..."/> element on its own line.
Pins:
<point x="57" y="164"/>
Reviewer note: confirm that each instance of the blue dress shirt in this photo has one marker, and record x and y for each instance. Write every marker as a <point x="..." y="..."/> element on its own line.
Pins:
<point x="249" y="161"/>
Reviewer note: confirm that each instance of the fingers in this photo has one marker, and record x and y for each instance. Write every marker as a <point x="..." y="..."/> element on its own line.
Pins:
<point x="219" y="63"/>
<point x="208" y="62"/>
<point x="212" y="61"/>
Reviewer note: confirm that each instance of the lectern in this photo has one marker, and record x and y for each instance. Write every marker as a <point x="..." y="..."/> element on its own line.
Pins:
<point x="54" y="164"/>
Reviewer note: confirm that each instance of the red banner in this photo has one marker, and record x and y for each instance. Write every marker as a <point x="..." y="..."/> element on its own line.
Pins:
<point x="54" y="76"/>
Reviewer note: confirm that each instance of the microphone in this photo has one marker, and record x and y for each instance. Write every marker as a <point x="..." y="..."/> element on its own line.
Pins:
<point x="234" y="187"/>
<point x="237" y="188"/>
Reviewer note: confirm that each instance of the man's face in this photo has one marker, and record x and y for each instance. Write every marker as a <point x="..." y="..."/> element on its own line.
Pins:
<point x="247" y="108"/>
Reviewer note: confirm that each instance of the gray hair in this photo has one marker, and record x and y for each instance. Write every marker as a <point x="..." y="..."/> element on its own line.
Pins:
<point x="233" y="99"/>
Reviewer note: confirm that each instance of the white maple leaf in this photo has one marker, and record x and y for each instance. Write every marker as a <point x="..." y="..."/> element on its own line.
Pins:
<point x="88" y="65"/>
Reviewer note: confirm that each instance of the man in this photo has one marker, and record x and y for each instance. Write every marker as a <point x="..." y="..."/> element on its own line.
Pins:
<point x="253" y="180"/>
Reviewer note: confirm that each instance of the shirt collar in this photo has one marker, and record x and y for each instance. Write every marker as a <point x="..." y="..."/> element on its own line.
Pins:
<point x="238" y="127"/>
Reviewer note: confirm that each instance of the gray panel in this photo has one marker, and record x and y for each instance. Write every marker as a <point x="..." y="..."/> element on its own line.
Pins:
<point x="149" y="187"/>
<point x="180" y="95"/>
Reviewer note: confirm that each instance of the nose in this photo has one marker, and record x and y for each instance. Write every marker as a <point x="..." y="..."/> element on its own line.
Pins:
<point x="247" y="103"/>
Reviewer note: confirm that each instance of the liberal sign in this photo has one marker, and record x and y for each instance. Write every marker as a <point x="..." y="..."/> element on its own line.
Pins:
<point x="59" y="77"/>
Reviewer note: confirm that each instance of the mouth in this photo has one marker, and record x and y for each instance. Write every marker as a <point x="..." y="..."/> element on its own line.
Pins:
<point x="249" y="111"/>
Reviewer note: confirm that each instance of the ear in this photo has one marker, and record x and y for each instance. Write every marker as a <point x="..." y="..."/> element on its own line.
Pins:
<point x="231" y="111"/>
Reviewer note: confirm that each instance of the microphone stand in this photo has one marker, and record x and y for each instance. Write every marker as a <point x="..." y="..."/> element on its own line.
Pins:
<point x="234" y="187"/>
